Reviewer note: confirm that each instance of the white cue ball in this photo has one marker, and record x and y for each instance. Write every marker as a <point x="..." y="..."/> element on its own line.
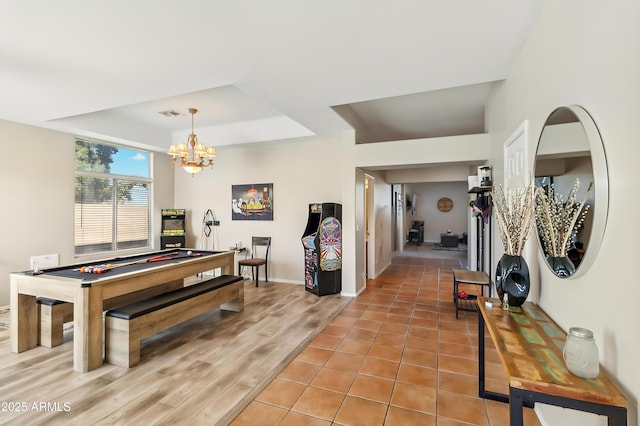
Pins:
<point x="189" y="253"/>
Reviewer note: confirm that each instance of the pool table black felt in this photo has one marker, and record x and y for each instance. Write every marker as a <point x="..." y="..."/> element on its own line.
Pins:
<point x="71" y="271"/>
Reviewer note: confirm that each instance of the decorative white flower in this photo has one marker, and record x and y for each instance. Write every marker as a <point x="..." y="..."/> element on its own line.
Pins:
<point x="514" y="214"/>
<point x="557" y="220"/>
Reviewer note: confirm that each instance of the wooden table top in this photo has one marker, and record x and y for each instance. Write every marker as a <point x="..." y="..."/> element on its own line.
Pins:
<point x="470" y="277"/>
<point x="530" y="345"/>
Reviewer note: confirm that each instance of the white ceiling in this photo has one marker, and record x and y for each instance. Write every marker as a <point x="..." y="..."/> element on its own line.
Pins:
<point x="256" y="70"/>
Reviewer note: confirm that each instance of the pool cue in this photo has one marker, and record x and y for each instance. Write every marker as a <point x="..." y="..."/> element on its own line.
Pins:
<point x="149" y="260"/>
<point x="146" y="260"/>
<point x="156" y="259"/>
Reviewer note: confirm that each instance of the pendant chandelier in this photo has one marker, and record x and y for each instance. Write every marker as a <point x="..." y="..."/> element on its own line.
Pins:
<point x="194" y="156"/>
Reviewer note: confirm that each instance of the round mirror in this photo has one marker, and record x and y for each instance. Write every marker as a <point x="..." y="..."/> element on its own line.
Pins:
<point x="572" y="191"/>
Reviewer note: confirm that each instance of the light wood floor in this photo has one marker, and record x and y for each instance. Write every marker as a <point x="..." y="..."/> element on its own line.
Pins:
<point x="395" y="355"/>
<point x="204" y="371"/>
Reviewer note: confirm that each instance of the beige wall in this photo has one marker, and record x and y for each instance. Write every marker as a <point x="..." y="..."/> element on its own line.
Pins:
<point x="37" y="215"/>
<point x="586" y="53"/>
<point x="579" y="52"/>
<point x="302" y="172"/>
<point x="38" y="197"/>
<point x="435" y="221"/>
<point x="439" y="173"/>
<point x="380" y="245"/>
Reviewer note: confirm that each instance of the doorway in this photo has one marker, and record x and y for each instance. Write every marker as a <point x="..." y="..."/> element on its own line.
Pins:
<point x="368" y="214"/>
<point x="420" y="222"/>
<point x="397" y="236"/>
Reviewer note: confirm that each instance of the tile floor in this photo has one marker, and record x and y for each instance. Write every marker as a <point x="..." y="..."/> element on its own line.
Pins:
<point x="396" y="355"/>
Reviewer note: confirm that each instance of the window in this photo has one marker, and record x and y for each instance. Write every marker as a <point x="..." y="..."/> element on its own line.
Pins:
<point x="112" y="201"/>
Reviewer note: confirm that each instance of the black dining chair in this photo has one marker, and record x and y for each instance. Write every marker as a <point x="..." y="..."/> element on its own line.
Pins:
<point x="260" y="247"/>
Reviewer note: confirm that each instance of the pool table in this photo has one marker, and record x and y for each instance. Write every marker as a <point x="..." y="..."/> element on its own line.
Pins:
<point x="88" y="292"/>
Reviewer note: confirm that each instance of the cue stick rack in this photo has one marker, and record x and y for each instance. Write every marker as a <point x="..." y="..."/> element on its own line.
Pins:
<point x="206" y="236"/>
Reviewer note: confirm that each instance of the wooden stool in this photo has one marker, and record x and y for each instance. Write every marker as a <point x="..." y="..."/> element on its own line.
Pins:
<point x="462" y="276"/>
<point x="52" y="314"/>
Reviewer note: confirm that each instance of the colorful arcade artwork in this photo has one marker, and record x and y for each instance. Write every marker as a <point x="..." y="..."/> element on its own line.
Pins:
<point x="322" y="242"/>
<point x="330" y="244"/>
<point x="311" y="263"/>
<point x="252" y="202"/>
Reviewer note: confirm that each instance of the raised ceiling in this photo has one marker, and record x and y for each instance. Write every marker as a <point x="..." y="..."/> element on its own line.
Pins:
<point x="257" y="71"/>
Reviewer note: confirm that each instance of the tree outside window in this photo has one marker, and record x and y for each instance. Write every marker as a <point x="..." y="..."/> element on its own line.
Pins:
<point x="112" y="202"/>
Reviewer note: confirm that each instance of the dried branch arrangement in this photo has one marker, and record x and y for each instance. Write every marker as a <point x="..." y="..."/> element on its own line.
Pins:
<point x="514" y="214"/>
<point x="557" y="220"/>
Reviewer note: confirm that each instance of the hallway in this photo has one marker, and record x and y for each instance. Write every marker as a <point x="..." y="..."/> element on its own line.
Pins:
<point x="395" y="355"/>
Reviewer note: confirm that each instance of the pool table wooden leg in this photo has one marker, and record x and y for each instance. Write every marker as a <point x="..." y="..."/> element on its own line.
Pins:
<point x="24" y="319"/>
<point x="87" y="334"/>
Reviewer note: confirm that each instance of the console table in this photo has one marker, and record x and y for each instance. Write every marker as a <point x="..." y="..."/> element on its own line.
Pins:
<point x="530" y="345"/>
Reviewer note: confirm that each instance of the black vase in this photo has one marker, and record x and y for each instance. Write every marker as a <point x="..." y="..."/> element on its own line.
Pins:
<point x="512" y="277"/>
<point x="561" y="266"/>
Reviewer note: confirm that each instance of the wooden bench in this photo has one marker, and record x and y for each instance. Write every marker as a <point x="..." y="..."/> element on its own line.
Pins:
<point x="52" y="314"/>
<point x="126" y="326"/>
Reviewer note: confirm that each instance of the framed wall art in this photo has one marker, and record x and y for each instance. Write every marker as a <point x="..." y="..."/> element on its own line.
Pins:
<point x="252" y="202"/>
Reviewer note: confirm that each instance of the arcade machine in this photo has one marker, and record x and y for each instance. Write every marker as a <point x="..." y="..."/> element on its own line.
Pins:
<point x="173" y="229"/>
<point x="322" y="241"/>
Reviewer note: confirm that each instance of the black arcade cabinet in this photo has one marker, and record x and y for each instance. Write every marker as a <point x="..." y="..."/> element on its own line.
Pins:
<point x="174" y="231"/>
<point x="322" y="241"/>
